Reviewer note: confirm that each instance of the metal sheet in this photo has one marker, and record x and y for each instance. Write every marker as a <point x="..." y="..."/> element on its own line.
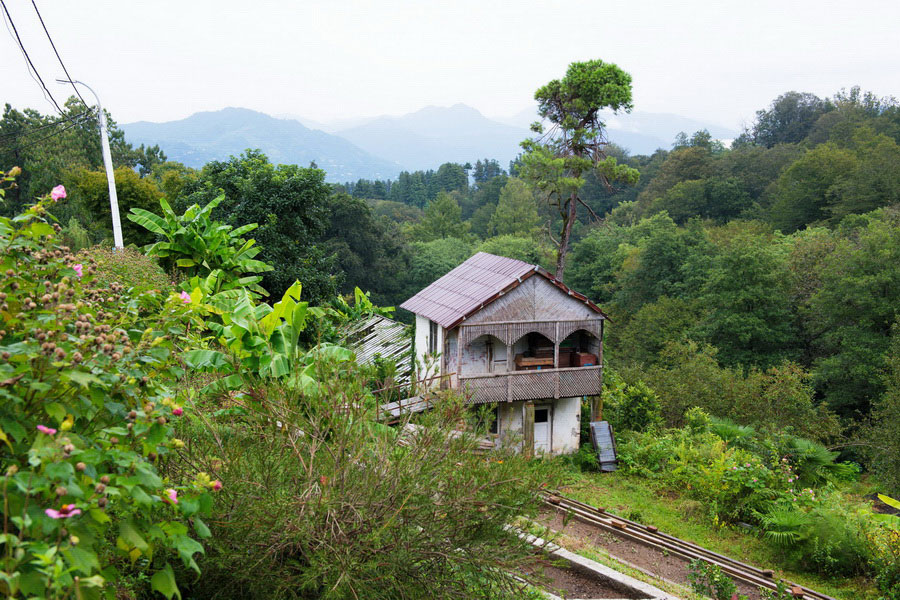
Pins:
<point x="604" y="444"/>
<point x="478" y="281"/>
<point x="379" y="336"/>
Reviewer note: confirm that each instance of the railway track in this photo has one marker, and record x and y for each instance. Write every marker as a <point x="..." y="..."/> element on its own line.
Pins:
<point x="650" y="536"/>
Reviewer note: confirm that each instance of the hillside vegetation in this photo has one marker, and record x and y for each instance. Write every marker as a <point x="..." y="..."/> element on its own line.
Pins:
<point x="752" y="355"/>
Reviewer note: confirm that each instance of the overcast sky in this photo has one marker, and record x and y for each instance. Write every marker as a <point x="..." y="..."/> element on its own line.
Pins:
<point x="716" y="60"/>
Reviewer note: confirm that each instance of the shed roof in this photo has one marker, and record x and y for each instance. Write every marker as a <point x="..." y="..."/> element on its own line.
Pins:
<point x="376" y="335"/>
<point x="475" y="283"/>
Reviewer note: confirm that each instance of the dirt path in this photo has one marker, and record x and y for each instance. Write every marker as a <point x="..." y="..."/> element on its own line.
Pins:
<point x="661" y="564"/>
<point x="568" y="583"/>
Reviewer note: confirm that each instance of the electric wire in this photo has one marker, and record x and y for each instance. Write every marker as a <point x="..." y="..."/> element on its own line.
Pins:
<point x="54" y="134"/>
<point x="58" y="57"/>
<point x="28" y="58"/>
<point x="31" y="130"/>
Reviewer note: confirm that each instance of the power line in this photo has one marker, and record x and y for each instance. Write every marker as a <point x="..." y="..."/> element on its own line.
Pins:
<point x="28" y="58"/>
<point x="54" y="134"/>
<point x="66" y="71"/>
<point x="31" y="130"/>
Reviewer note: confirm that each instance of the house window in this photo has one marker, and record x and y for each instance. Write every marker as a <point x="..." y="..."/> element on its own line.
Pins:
<point x="432" y="337"/>
<point x="494" y="426"/>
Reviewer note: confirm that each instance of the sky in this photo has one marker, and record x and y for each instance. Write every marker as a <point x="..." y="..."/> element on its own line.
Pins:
<point x="717" y="60"/>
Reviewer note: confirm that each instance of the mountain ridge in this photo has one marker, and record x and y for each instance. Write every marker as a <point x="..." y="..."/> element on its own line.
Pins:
<point x="382" y="146"/>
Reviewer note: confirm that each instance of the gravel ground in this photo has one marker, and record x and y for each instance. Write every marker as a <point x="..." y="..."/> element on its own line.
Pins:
<point x="663" y="565"/>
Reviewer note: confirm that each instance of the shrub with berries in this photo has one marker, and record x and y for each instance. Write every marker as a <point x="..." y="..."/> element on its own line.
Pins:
<point x="87" y="373"/>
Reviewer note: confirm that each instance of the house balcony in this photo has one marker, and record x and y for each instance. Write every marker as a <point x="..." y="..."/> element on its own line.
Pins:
<point x="532" y="385"/>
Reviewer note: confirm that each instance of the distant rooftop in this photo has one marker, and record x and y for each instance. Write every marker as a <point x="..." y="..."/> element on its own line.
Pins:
<point x="478" y="281"/>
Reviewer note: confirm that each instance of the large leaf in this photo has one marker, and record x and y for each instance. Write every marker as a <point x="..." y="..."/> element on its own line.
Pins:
<point x="889" y="501"/>
<point x="148" y="220"/>
<point x="164" y="582"/>
<point x="207" y="360"/>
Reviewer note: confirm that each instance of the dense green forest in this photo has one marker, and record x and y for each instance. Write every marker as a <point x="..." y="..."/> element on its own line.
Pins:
<point x="753" y="290"/>
<point x="778" y="255"/>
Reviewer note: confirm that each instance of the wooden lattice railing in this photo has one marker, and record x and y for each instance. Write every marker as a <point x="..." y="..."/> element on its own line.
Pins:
<point x="532" y="385"/>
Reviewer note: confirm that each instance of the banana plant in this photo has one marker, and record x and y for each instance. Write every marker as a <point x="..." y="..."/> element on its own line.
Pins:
<point x="261" y="342"/>
<point x="213" y="255"/>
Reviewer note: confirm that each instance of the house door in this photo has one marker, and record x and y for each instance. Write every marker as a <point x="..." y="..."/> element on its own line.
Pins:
<point x="542" y="429"/>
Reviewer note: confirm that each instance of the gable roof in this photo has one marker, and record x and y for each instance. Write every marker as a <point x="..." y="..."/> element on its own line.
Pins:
<point x="475" y="283"/>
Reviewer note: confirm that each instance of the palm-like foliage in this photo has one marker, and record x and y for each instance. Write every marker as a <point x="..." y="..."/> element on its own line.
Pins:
<point x="212" y="252"/>
<point x="740" y="436"/>
<point x="814" y="463"/>
<point x="786" y="527"/>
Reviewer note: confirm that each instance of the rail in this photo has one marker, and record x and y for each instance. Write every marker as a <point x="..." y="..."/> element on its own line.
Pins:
<point x="567" y="382"/>
<point x="650" y="536"/>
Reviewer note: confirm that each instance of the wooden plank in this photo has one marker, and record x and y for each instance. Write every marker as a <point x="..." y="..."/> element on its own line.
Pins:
<point x="528" y="427"/>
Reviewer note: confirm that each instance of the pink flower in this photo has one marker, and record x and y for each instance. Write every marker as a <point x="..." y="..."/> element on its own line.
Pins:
<point x="171" y="497"/>
<point x="46" y="430"/>
<point x="78" y="269"/>
<point x="185" y="297"/>
<point x="216" y="485"/>
<point x="177" y="411"/>
<point x="66" y="510"/>
<point x="58" y="192"/>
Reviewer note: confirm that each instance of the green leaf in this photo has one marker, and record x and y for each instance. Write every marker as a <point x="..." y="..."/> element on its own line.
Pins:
<point x="147" y="476"/>
<point x="187" y="547"/>
<point x="207" y="360"/>
<point x="56" y="411"/>
<point x="82" y="560"/>
<point x="99" y="515"/>
<point x="232" y="382"/>
<point x="140" y="496"/>
<point x="129" y="533"/>
<point x="81" y="378"/>
<point x="201" y="528"/>
<point x="164" y="582"/>
<point x="889" y="501"/>
<point x="148" y="220"/>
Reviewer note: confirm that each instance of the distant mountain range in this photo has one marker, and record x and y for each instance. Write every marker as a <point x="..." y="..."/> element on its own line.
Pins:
<point x="217" y="135"/>
<point x="380" y="147"/>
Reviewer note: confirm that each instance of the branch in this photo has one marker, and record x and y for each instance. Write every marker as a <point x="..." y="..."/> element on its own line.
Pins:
<point x="550" y="234"/>
<point x="590" y="210"/>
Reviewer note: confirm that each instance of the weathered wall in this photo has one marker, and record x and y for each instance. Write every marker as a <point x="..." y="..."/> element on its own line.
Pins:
<point x="536" y="299"/>
<point x="421" y="341"/>
<point x="566" y="424"/>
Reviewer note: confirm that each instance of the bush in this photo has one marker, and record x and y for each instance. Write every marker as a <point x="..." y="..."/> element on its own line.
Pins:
<point x="629" y="407"/>
<point x="126" y="267"/>
<point x="335" y="505"/>
<point x="86" y="406"/>
<point x="689" y="375"/>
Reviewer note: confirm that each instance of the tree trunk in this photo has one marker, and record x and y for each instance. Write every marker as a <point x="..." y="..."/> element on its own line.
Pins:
<point x="568" y="222"/>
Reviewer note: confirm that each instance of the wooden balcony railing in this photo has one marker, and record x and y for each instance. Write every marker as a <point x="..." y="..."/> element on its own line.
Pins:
<point x="532" y="385"/>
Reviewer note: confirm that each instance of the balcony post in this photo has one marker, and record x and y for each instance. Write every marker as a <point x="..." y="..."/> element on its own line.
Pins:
<point x="556" y="348"/>
<point x="528" y="429"/>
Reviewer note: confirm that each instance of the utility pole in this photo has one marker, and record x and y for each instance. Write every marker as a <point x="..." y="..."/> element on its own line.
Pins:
<point x="107" y="162"/>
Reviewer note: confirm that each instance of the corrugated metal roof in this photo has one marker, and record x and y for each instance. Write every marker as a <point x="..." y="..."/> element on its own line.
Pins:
<point x="478" y="281"/>
<point x="380" y="336"/>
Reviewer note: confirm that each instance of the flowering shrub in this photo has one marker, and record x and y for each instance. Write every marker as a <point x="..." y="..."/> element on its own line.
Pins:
<point x="124" y="266"/>
<point x="86" y="413"/>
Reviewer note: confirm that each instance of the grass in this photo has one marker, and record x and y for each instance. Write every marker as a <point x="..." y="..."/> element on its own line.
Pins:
<point x="641" y="500"/>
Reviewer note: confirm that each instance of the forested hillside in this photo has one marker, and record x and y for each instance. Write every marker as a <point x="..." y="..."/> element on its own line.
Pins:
<point x="754" y="295"/>
<point x="771" y="267"/>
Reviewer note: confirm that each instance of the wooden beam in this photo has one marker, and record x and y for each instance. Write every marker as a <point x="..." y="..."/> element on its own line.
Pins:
<point x="528" y="428"/>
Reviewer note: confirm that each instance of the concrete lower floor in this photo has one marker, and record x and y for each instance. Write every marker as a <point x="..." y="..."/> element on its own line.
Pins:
<point x="557" y="424"/>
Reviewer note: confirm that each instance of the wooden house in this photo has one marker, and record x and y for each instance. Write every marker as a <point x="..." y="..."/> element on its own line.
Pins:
<point x="507" y="333"/>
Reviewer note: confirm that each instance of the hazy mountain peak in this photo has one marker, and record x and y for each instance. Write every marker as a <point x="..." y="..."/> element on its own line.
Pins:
<point x="219" y="134"/>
